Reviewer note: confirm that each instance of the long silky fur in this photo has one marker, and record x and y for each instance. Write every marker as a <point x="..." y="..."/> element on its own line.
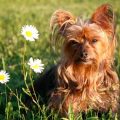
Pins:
<point x="79" y="85"/>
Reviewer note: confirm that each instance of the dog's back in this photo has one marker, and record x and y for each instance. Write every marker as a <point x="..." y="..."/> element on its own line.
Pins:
<point x="43" y="86"/>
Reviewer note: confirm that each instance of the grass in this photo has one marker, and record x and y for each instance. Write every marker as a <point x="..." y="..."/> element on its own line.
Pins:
<point x="13" y="15"/>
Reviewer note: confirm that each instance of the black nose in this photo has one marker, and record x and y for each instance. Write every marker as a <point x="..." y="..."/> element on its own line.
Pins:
<point x="84" y="55"/>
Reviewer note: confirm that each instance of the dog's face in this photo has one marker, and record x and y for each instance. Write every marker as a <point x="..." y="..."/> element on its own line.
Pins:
<point x="86" y="42"/>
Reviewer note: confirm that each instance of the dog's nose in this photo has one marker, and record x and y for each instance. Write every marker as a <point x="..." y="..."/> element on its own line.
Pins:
<point x="84" y="55"/>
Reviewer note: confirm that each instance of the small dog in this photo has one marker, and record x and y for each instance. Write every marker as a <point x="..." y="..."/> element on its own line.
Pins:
<point x="84" y="78"/>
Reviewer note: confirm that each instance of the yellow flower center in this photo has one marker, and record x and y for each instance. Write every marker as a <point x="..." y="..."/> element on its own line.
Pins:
<point x="35" y="66"/>
<point x="2" y="77"/>
<point x="29" y="33"/>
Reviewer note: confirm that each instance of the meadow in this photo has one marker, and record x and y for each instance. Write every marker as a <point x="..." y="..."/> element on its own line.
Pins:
<point x="15" y="51"/>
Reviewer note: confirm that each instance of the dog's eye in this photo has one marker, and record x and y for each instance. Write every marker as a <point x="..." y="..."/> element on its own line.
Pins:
<point x="73" y="43"/>
<point x="94" y="40"/>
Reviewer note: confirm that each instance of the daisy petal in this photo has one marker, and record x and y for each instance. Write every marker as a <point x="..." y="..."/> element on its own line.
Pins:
<point x="29" y="32"/>
<point x="36" y="65"/>
<point x="4" y="77"/>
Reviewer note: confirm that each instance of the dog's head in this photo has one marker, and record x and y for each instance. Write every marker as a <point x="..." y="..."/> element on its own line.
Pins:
<point x="86" y="41"/>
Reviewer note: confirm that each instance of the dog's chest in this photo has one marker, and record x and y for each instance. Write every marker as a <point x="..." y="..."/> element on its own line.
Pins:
<point x="82" y="100"/>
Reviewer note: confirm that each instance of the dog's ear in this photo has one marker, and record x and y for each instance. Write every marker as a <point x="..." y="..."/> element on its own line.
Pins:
<point x="104" y="17"/>
<point x="61" y="19"/>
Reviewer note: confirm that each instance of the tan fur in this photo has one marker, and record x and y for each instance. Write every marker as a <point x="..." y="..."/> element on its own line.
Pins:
<point x="86" y="85"/>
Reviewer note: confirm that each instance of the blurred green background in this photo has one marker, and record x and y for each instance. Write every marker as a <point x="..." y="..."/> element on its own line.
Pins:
<point x="16" y="13"/>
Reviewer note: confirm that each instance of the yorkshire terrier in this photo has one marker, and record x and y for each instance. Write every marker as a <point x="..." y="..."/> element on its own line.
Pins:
<point x="84" y="78"/>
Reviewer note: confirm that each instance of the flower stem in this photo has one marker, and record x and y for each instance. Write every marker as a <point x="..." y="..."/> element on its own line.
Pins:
<point x="3" y="63"/>
<point x="6" y="102"/>
<point x="23" y="60"/>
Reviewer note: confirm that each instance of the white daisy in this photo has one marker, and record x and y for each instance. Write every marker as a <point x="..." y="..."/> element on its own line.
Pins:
<point x="4" y="77"/>
<point x="36" y="65"/>
<point x="29" y="32"/>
